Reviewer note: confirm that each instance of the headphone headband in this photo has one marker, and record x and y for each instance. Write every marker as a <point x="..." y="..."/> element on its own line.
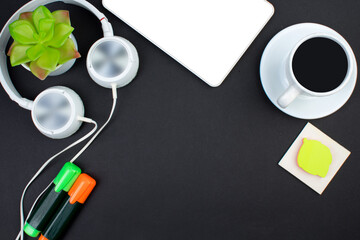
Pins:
<point x="5" y="37"/>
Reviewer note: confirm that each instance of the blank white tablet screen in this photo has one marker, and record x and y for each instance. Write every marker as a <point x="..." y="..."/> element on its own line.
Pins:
<point x="206" y="36"/>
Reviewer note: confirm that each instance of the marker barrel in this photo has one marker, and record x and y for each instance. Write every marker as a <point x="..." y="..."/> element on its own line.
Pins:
<point x="61" y="220"/>
<point x="69" y="208"/>
<point x="44" y="211"/>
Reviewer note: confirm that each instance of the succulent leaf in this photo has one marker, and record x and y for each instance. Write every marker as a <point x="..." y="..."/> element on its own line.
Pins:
<point x="61" y="34"/>
<point x="49" y="60"/>
<point x="23" y="32"/>
<point x="46" y="29"/>
<point x="35" y="52"/>
<point x="26" y="16"/>
<point x="68" y="51"/>
<point x="18" y="55"/>
<point x="62" y="16"/>
<point x="41" y="13"/>
<point x="38" y="71"/>
<point x="11" y="48"/>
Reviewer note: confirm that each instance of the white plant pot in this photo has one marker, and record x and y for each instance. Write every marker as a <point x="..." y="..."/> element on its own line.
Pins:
<point x="63" y="68"/>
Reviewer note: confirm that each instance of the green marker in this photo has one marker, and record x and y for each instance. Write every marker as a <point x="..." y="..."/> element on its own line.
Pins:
<point x="51" y="199"/>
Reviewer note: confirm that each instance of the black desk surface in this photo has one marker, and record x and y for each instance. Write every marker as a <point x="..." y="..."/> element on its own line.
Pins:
<point x="182" y="160"/>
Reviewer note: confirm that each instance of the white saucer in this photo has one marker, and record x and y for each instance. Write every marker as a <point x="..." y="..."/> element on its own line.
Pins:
<point x="272" y="71"/>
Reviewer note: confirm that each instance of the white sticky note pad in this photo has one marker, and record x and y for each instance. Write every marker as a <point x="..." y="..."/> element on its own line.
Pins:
<point x="338" y="152"/>
<point x="206" y="36"/>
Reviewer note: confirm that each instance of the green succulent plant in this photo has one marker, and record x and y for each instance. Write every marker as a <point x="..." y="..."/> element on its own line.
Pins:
<point x="42" y="41"/>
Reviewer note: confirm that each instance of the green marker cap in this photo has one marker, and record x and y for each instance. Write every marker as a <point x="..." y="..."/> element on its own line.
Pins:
<point x="66" y="177"/>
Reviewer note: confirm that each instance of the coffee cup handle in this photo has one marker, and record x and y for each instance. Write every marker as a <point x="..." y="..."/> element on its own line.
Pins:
<point x="288" y="96"/>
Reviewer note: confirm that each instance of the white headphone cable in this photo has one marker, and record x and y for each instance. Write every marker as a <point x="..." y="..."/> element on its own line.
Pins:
<point x="114" y="94"/>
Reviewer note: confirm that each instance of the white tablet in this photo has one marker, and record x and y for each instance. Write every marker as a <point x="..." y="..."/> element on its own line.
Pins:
<point x="208" y="37"/>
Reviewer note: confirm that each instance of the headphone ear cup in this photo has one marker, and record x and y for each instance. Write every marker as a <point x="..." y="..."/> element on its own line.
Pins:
<point x="56" y="112"/>
<point x="112" y="60"/>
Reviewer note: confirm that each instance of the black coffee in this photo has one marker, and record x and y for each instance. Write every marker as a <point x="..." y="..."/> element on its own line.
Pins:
<point x="320" y="64"/>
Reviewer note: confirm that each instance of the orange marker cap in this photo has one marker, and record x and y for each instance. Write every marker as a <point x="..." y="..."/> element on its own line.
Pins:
<point x="42" y="237"/>
<point x="81" y="189"/>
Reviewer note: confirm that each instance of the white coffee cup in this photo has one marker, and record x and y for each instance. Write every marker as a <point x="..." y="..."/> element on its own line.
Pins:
<point x="295" y="89"/>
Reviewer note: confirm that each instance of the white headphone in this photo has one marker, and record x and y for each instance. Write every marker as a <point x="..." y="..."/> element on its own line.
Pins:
<point x="57" y="111"/>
